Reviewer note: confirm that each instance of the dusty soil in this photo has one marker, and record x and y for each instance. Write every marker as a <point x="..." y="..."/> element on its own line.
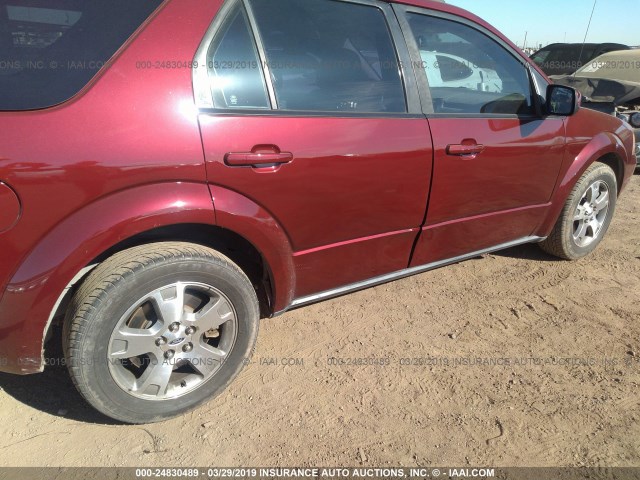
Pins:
<point x="458" y="403"/>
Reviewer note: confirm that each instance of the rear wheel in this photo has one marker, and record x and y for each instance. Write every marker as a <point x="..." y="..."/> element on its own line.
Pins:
<point x="158" y="329"/>
<point x="586" y="216"/>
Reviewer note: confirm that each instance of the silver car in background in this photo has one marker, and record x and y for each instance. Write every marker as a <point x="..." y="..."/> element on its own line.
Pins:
<point x="611" y="84"/>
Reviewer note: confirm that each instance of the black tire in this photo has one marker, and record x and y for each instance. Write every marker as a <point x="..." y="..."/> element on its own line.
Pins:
<point x="111" y="291"/>
<point x="562" y="242"/>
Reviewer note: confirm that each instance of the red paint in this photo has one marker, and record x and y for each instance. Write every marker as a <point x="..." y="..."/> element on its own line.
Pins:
<point x="471" y="234"/>
<point x="97" y="169"/>
<point x="351" y="262"/>
<point x="251" y="221"/>
<point x="482" y="193"/>
<point x="591" y="135"/>
<point x="9" y="208"/>
<point x="325" y="201"/>
<point x="351" y="242"/>
<point x="350" y="178"/>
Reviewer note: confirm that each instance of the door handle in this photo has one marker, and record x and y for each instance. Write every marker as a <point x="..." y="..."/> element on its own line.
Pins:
<point x="259" y="157"/>
<point x="469" y="150"/>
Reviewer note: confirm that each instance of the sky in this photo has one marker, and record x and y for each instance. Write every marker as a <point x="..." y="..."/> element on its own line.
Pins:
<point x="547" y="21"/>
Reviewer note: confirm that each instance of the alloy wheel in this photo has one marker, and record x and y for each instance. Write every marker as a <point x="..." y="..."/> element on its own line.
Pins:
<point x="172" y="341"/>
<point x="591" y="214"/>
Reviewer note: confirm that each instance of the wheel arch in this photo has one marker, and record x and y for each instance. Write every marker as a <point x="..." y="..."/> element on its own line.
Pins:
<point x="179" y="211"/>
<point x="616" y="164"/>
<point x="234" y="246"/>
<point x="604" y="148"/>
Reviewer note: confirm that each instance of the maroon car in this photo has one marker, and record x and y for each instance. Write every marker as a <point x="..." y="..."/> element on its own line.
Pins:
<point x="172" y="171"/>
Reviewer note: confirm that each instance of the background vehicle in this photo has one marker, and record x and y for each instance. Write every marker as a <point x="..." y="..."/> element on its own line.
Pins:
<point x="444" y="70"/>
<point x="611" y="84"/>
<point x="566" y="58"/>
<point x="210" y="164"/>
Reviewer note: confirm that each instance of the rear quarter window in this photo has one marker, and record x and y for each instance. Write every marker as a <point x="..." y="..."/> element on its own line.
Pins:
<point x="50" y="49"/>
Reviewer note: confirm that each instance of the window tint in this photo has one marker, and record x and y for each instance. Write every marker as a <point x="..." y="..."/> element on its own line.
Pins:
<point x="50" y="49"/>
<point x="468" y="72"/>
<point x="235" y="73"/>
<point x="329" y="55"/>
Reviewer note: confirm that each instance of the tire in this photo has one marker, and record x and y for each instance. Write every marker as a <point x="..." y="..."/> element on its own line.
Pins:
<point x="586" y="216"/>
<point x="158" y="329"/>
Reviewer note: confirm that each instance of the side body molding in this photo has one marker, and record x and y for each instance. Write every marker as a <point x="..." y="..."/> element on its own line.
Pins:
<point x="69" y="247"/>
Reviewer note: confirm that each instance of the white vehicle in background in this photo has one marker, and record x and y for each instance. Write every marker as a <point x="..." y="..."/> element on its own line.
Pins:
<point x="446" y="70"/>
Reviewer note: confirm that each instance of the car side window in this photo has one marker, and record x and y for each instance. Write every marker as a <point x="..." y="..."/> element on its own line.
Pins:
<point x="326" y="55"/>
<point x="51" y="49"/>
<point x="233" y="64"/>
<point x="468" y="72"/>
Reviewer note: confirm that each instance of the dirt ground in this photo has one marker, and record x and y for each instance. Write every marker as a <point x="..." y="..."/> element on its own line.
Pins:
<point x="515" y="359"/>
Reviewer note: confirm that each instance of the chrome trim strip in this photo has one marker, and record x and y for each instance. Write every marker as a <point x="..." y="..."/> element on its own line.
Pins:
<point x="200" y="74"/>
<point x="302" y="301"/>
<point x="245" y="112"/>
<point x="257" y="38"/>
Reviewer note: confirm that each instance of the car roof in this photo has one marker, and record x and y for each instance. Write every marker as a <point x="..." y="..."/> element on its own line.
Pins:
<point x="571" y="45"/>
<point x="568" y="46"/>
<point x="626" y="55"/>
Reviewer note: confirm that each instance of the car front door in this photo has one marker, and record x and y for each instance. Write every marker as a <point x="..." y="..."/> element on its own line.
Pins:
<point x="304" y="111"/>
<point x="496" y="159"/>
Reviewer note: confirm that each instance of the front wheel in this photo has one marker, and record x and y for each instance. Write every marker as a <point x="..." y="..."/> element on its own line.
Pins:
<point x="586" y="216"/>
<point x="156" y="330"/>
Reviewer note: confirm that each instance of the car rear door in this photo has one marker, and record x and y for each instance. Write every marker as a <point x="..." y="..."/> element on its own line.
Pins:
<point x="305" y="111"/>
<point x="496" y="159"/>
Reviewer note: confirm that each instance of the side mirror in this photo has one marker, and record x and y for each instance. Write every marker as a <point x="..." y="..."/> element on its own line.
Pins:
<point x="563" y="101"/>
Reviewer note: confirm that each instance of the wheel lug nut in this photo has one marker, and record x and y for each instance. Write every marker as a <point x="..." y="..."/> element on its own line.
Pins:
<point x="161" y="341"/>
<point x="190" y="330"/>
<point x="187" y="348"/>
<point x="169" y="355"/>
<point x="174" y="327"/>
